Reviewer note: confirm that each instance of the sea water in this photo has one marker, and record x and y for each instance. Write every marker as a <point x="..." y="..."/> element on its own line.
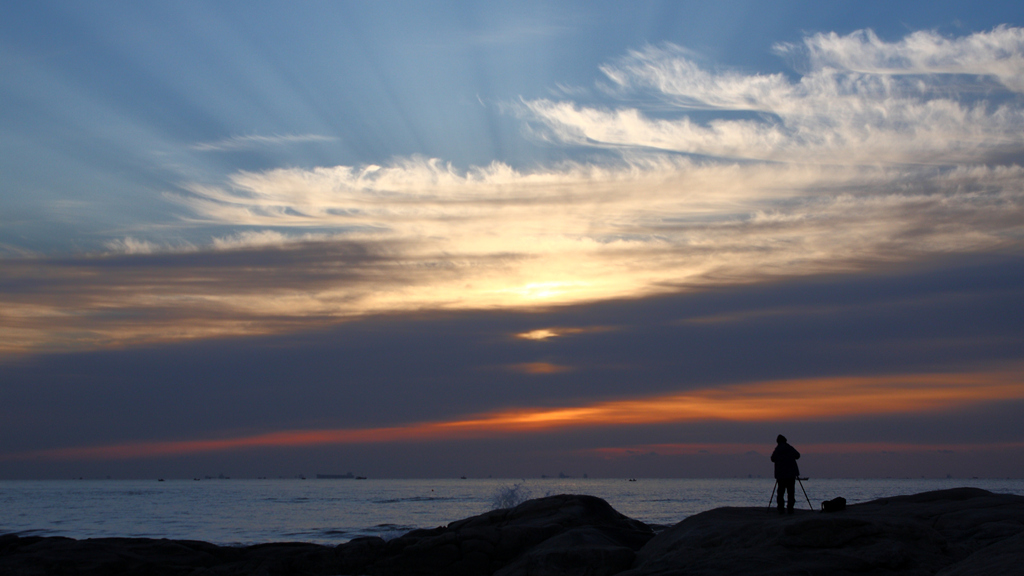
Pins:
<point x="236" y="512"/>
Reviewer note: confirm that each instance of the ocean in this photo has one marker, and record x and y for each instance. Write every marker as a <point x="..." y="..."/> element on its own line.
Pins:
<point x="242" y="512"/>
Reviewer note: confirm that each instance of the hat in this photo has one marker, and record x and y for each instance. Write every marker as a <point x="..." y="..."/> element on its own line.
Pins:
<point x="780" y="439"/>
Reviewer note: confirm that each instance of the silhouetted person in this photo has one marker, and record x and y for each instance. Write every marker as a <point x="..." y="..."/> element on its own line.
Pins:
<point x="786" y="471"/>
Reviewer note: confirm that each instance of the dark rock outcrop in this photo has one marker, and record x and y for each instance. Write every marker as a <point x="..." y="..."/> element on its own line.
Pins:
<point x="33" y="555"/>
<point x="578" y="534"/>
<point x="961" y="532"/>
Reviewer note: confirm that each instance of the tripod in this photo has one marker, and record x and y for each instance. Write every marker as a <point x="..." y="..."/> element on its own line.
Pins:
<point x="800" y="481"/>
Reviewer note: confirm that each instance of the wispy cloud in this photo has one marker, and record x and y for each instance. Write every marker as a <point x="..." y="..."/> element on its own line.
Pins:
<point x="129" y="245"/>
<point x="773" y="401"/>
<point x="559" y="331"/>
<point x="852" y="166"/>
<point x="255" y="141"/>
<point x="895" y="448"/>
<point x="998" y="53"/>
<point x="539" y="368"/>
<point x="862" y="101"/>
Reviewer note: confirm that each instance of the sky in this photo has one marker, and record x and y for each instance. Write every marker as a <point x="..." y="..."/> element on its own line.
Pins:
<point x="436" y="239"/>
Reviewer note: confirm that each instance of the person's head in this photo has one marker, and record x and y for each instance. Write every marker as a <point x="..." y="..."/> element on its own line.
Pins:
<point x="780" y="439"/>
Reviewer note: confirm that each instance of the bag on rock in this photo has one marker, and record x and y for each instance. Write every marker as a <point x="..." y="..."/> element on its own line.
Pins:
<point x="834" y="505"/>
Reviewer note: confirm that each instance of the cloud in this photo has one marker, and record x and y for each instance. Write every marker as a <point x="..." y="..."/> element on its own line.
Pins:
<point x="863" y="101"/>
<point x="534" y="368"/>
<point x="843" y="170"/>
<point x="246" y="239"/>
<point x="114" y="300"/>
<point x="11" y="251"/>
<point x="892" y="448"/>
<point x="557" y="332"/>
<point x="539" y="334"/>
<point x="998" y="53"/>
<point x="812" y="399"/>
<point x="249" y="239"/>
<point x="596" y="232"/>
<point x="130" y="245"/>
<point x="421" y="236"/>
<point x="255" y="141"/>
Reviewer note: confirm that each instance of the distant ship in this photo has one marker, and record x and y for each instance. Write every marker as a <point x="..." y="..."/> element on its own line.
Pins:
<point x="334" y="476"/>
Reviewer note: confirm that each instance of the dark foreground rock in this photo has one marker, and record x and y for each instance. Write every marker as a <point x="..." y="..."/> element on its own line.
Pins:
<point x="961" y="531"/>
<point x="949" y="533"/>
<point x="564" y="534"/>
<point x="32" y="556"/>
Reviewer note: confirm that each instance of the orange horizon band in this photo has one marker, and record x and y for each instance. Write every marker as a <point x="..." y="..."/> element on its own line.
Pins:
<point x="781" y="400"/>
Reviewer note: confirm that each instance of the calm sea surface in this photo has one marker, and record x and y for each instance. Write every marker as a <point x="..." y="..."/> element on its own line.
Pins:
<point x="335" y="511"/>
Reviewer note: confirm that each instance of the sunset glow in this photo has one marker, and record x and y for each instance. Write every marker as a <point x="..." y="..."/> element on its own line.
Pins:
<point x="539" y="368"/>
<point x="805" y="448"/>
<point x="257" y="237"/>
<point x="790" y="400"/>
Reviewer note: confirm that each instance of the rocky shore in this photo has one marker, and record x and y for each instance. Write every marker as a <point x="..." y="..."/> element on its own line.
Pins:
<point x="965" y="531"/>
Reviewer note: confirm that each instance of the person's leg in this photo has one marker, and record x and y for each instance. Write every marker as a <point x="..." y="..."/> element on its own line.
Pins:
<point x="787" y="485"/>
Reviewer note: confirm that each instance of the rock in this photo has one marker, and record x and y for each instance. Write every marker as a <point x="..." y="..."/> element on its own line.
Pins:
<point x="30" y="556"/>
<point x="584" y="551"/>
<point x="1000" y="559"/>
<point x="532" y="538"/>
<point x="951" y="530"/>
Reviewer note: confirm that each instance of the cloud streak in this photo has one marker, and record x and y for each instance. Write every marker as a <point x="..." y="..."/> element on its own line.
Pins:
<point x="256" y="141"/>
<point x="862" y="101"/>
<point x="812" y="399"/>
<point x="895" y="448"/>
<point x="998" y="53"/>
